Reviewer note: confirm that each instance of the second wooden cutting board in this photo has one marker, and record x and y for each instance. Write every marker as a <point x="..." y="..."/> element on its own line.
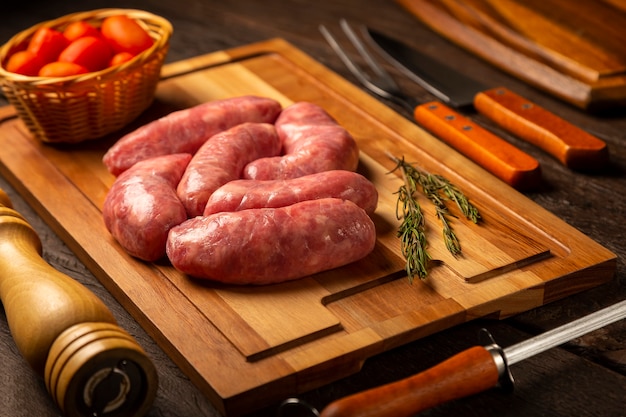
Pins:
<point x="573" y="50"/>
<point x="247" y="347"/>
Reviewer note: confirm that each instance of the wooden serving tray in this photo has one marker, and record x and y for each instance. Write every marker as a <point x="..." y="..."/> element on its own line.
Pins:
<point x="574" y="50"/>
<point x="247" y="347"/>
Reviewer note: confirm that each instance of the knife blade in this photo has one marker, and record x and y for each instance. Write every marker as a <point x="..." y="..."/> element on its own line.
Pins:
<point x="569" y="144"/>
<point x="474" y="370"/>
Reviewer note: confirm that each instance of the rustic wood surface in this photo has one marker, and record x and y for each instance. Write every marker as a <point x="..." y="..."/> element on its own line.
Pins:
<point x="585" y="377"/>
<point x="320" y="328"/>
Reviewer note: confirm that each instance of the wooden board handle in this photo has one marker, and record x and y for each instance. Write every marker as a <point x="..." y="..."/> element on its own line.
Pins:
<point x="497" y="156"/>
<point x="569" y="144"/>
<point x="469" y="372"/>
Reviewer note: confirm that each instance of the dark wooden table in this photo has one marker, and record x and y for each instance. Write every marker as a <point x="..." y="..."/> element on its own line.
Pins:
<point x="586" y="377"/>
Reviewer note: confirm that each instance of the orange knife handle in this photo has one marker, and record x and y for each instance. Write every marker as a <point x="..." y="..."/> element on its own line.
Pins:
<point x="497" y="156"/>
<point x="572" y="146"/>
<point x="469" y="372"/>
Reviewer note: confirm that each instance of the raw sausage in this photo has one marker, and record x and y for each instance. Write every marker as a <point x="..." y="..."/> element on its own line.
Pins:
<point x="271" y="245"/>
<point x="312" y="142"/>
<point x="142" y="206"/>
<point x="246" y="194"/>
<point x="221" y="159"/>
<point x="184" y="131"/>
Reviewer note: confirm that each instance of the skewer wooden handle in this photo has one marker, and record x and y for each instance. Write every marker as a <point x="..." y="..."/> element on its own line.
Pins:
<point x="469" y="372"/>
<point x="90" y="365"/>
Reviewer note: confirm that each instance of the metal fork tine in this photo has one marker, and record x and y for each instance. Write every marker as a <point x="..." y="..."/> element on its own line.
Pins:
<point x="384" y="85"/>
<point x="360" y="47"/>
<point x="354" y="69"/>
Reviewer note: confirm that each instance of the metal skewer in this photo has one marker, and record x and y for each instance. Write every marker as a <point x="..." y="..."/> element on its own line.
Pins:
<point x="540" y="343"/>
<point x="469" y="372"/>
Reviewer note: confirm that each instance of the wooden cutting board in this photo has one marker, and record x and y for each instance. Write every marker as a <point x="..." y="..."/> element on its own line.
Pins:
<point x="574" y="50"/>
<point x="247" y="347"/>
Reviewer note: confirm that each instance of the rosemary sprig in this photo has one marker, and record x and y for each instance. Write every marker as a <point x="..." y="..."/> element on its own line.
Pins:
<point x="431" y="187"/>
<point x="453" y="193"/>
<point x="412" y="228"/>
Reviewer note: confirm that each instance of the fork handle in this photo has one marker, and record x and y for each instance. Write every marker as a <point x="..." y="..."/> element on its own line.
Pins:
<point x="494" y="154"/>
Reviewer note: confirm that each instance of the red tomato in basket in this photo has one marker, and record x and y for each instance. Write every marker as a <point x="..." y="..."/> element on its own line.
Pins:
<point x="61" y="69"/>
<point x="80" y="29"/>
<point x="125" y="34"/>
<point x="120" y="58"/>
<point x="90" y="52"/>
<point x="47" y="43"/>
<point x="25" y="63"/>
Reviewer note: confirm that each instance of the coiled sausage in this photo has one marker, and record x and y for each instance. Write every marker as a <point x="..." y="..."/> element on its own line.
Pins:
<point x="312" y="142"/>
<point x="221" y="159"/>
<point x="271" y="245"/>
<point x="246" y="194"/>
<point x="184" y="131"/>
<point x="142" y="206"/>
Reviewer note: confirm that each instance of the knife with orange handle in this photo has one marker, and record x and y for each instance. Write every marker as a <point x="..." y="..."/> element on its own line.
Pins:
<point x="572" y="146"/>
<point x="469" y="372"/>
<point x="569" y="144"/>
<point x="502" y="159"/>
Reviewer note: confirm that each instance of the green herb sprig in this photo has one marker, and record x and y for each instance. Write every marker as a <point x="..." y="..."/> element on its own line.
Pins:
<point x="412" y="230"/>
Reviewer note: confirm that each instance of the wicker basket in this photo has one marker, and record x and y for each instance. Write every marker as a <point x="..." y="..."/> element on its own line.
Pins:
<point x="87" y="106"/>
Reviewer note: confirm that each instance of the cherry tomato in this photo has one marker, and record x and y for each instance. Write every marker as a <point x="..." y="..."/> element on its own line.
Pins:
<point x="61" y="69"/>
<point x="125" y="34"/>
<point x="90" y="52"/>
<point x="47" y="43"/>
<point x="120" y="58"/>
<point x="25" y="63"/>
<point x="80" y="29"/>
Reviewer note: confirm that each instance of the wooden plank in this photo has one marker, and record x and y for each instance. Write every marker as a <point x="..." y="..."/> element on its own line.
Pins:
<point x="248" y="347"/>
<point x="572" y="50"/>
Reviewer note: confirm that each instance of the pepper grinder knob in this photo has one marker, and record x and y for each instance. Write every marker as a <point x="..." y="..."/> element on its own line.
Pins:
<point x="91" y="367"/>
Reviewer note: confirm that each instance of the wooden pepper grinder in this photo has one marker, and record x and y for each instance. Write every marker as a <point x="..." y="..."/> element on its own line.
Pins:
<point x="91" y="367"/>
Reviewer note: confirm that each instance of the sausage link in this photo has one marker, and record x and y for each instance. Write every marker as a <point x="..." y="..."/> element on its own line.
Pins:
<point x="271" y="245"/>
<point x="246" y="194"/>
<point x="221" y="159"/>
<point x="312" y="142"/>
<point x="184" y="131"/>
<point x="142" y="206"/>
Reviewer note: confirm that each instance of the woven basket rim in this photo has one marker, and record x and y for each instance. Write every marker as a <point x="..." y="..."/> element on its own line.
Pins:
<point x="147" y="19"/>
